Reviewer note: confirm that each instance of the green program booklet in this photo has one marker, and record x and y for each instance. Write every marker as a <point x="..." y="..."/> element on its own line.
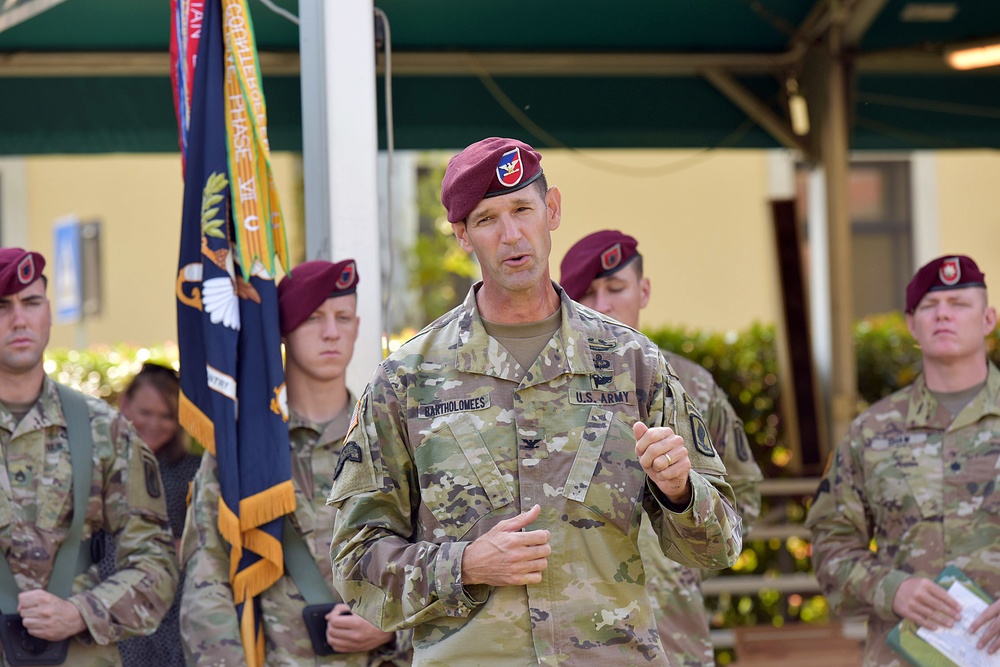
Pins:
<point x="958" y="649"/>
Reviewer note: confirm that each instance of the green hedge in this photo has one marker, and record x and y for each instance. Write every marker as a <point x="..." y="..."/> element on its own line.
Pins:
<point x="105" y="371"/>
<point x="745" y="364"/>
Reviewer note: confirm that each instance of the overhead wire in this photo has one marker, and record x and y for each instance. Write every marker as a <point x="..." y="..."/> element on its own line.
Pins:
<point x="522" y="119"/>
<point x="280" y="11"/>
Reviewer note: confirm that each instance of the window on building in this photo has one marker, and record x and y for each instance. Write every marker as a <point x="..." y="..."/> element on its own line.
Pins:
<point x="881" y="232"/>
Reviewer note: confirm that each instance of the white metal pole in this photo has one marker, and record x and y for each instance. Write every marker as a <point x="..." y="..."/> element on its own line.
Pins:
<point x="340" y="145"/>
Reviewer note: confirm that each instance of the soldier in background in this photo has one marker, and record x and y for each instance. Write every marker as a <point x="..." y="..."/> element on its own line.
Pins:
<point x="317" y="305"/>
<point x="917" y="474"/>
<point x="493" y="485"/>
<point x="36" y="502"/>
<point x="603" y="271"/>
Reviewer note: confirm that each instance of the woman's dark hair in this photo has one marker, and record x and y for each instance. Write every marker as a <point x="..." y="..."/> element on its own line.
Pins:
<point x="166" y="382"/>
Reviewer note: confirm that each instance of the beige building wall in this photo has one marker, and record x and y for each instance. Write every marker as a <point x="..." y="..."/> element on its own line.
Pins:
<point x="703" y="224"/>
<point x="137" y="199"/>
<point x="969" y="216"/>
<point x="702" y="220"/>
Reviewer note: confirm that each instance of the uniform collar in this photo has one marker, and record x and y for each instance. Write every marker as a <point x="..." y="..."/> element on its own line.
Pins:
<point x="567" y="351"/>
<point x="925" y="411"/>
<point x="43" y="414"/>
<point x="333" y="430"/>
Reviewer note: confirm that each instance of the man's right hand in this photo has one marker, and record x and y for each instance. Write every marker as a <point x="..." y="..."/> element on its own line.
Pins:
<point x="506" y="556"/>
<point x="926" y="604"/>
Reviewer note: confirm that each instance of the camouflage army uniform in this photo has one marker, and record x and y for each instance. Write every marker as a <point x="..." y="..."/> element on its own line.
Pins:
<point x="126" y="500"/>
<point x="209" y="626"/>
<point x="452" y="439"/>
<point x="675" y="590"/>
<point x="923" y="487"/>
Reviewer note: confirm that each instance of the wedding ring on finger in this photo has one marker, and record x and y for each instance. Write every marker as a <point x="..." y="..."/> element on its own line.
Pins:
<point x="670" y="461"/>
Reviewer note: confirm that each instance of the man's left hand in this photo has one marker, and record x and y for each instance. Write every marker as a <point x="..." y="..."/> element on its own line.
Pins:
<point x="347" y="632"/>
<point x="663" y="456"/>
<point x="990" y="619"/>
<point x="48" y="616"/>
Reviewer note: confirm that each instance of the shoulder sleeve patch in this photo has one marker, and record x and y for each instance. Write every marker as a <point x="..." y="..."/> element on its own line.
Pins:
<point x="151" y="473"/>
<point x="143" y="488"/>
<point x="699" y="430"/>
<point x="355" y="470"/>
<point x="688" y="423"/>
<point x="350" y="452"/>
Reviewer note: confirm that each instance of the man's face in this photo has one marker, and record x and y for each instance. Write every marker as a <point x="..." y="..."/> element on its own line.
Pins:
<point x="25" y="321"/>
<point x="322" y="346"/>
<point x="621" y="295"/>
<point x="950" y="325"/>
<point x="511" y="236"/>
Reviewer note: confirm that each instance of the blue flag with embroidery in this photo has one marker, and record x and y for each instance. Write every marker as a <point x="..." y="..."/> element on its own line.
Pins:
<point x="232" y="381"/>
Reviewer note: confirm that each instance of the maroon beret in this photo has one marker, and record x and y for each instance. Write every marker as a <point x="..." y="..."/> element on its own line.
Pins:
<point x="943" y="273"/>
<point x="18" y="269"/>
<point x="487" y="168"/>
<point x="595" y="256"/>
<point x="308" y="285"/>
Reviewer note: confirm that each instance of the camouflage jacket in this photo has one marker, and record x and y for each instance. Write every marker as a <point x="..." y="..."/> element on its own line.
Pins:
<point x="922" y="486"/>
<point x="209" y="625"/>
<point x="675" y="590"/>
<point x="126" y="501"/>
<point x="453" y="436"/>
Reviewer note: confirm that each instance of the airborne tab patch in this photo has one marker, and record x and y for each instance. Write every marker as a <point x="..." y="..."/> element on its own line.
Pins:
<point x="350" y="452"/>
<point x="438" y="408"/>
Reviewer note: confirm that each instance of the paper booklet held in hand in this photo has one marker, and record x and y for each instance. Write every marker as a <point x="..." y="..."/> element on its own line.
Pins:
<point x="947" y="647"/>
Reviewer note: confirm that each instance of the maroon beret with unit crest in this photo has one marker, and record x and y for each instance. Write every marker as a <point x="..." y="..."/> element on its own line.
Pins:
<point x="487" y="168"/>
<point x="595" y="256"/>
<point x="308" y="285"/>
<point x="18" y="269"/>
<point x="943" y="273"/>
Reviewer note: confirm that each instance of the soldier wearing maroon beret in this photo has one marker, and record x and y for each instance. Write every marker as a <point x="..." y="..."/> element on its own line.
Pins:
<point x="492" y="490"/>
<point x="603" y="271"/>
<point x="917" y="473"/>
<point x="41" y="427"/>
<point x="317" y="307"/>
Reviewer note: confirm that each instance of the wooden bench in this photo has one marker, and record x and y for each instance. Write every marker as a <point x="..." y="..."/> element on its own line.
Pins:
<point x="796" y="645"/>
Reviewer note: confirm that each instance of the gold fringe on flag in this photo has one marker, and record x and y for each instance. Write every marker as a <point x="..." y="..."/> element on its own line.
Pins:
<point x="196" y="423"/>
<point x="268" y="505"/>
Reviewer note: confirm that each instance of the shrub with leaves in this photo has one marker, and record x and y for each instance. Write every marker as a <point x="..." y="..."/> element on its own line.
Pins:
<point x="105" y="371"/>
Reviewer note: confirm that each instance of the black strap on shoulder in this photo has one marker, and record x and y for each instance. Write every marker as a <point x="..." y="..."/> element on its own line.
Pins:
<point x="301" y="566"/>
<point x="81" y="451"/>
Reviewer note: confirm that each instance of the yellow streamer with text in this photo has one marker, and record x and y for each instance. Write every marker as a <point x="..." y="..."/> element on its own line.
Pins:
<point x="260" y="228"/>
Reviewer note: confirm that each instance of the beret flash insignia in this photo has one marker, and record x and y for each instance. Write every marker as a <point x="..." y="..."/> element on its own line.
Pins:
<point x="611" y="257"/>
<point x="509" y="170"/>
<point x="950" y="271"/>
<point x="26" y="270"/>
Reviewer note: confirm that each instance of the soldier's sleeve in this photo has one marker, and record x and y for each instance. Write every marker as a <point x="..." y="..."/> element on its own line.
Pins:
<point x="209" y="626"/>
<point x="384" y="576"/>
<point x="852" y="578"/>
<point x="742" y="471"/>
<point x="136" y="597"/>
<point x="397" y="653"/>
<point x="708" y="532"/>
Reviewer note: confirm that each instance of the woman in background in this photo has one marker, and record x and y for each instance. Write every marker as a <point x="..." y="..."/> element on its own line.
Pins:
<point x="150" y="402"/>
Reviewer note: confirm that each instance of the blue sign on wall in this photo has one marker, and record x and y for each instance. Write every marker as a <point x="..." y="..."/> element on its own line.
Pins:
<point x="67" y="286"/>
